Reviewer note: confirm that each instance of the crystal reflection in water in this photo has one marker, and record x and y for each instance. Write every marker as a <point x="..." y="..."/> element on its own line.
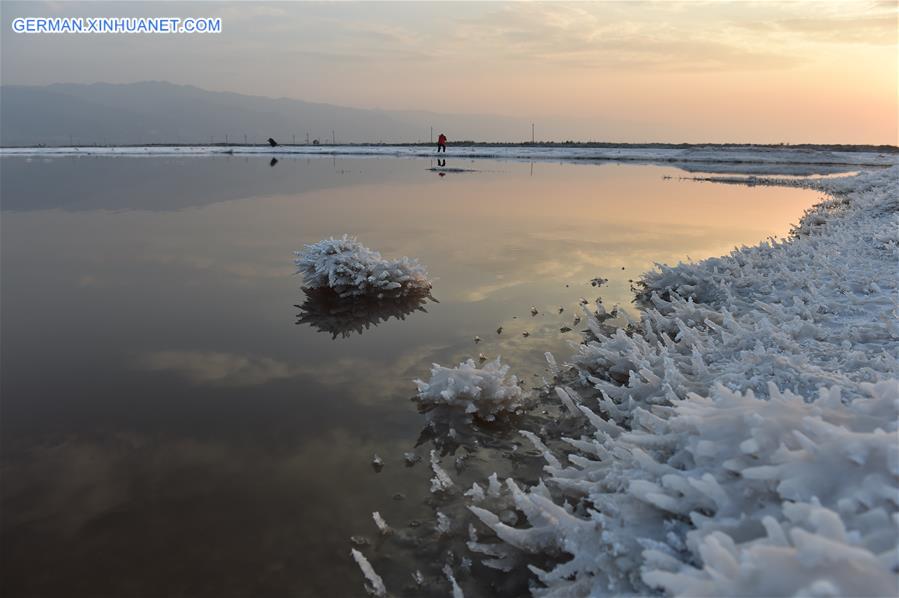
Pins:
<point x="325" y="311"/>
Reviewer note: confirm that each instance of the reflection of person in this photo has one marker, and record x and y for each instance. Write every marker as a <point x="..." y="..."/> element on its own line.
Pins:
<point x="441" y="162"/>
<point x="441" y="143"/>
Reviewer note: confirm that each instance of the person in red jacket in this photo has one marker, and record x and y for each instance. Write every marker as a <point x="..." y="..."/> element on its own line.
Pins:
<point x="441" y="143"/>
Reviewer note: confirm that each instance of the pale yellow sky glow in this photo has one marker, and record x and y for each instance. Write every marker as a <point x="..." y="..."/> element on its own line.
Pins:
<point x="619" y="71"/>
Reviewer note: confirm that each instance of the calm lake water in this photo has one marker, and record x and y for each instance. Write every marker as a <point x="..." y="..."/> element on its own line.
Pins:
<point x="166" y="426"/>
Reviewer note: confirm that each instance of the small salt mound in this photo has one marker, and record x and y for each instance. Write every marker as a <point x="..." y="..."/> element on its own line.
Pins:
<point x="350" y="269"/>
<point x="481" y="391"/>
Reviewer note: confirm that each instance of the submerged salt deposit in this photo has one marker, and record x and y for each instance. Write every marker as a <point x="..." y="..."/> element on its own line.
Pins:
<point x="350" y="269"/>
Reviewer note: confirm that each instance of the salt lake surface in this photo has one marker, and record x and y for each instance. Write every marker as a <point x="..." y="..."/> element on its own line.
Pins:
<point x="166" y="425"/>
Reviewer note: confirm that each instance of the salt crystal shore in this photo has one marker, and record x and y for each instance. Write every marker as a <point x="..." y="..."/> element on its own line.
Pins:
<point x="750" y="448"/>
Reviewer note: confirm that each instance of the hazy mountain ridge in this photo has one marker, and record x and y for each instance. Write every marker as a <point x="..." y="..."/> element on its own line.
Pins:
<point x="160" y="112"/>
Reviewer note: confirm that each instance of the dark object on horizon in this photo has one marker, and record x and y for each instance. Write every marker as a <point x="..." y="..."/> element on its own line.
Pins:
<point x="272" y="142"/>
<point x="315" y="142"/>
<point x="273" y="162"/>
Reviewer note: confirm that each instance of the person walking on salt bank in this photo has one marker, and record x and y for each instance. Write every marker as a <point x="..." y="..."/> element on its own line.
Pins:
<point x="441" y="143"/>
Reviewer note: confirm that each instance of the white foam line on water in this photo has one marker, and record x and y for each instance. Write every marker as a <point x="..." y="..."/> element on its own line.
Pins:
<point x="697" y="154"/>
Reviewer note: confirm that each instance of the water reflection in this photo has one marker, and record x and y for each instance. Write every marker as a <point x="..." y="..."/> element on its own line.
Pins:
<point x="164" y="184"/>
<point x="442" y="169"/>
<point x="325" y="311"/>
<point x="236" y="446"/>
<point x="447" y="430"/>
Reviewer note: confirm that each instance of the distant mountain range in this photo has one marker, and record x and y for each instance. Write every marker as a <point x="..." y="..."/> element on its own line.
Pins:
<point x="159" y="112"/>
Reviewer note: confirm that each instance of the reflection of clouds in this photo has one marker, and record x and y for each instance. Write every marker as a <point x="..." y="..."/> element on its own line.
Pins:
<point x="242" y="270"/>
<point x="370" y="381"/>
<point x="365" y="381"/>
<point x="538" y="271"/>
<point x="373" y="382"/>
<point x="89" y="476"/>
<point x="83" y="482"/>
<point x="481" y="292"/>
<point x="226" y="369"/>
<point x="588" y="255"/>
<point x="74" y="482"/>
<point x="157" y="503"/>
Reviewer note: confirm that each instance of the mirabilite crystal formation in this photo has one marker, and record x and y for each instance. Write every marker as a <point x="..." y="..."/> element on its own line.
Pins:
<point x="350" y="269"/>
<point x="482" y="391"/>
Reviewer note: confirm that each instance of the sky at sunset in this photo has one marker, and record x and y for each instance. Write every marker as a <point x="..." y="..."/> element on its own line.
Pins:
<point x="620" y="71"/>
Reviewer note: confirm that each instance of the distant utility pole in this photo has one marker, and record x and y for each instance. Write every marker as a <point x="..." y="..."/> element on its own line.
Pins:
<point x="432" y="134"/>
<point x="307" y="137"/>
<point x="532" y="132"/>
<point x="210" y="140"/>
<point x="333" y="139"/>
<point x="71" y="143"/>
<point x="244" y="138"/>
<point x="294" y="139"/>
<point x="226" y="139"/>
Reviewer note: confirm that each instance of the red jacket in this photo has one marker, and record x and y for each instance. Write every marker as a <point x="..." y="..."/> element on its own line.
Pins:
<point x="442" y="139"/>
